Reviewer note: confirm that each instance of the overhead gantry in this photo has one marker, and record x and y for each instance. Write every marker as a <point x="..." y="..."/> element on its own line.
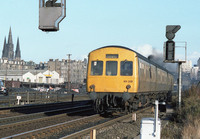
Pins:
<point x="51" y="13"/>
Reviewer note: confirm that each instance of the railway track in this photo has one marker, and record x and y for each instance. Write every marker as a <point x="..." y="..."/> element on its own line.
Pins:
<point x="28" y="109"/>
<point x="86" y="132"/>
<point x="20" y="118"/>
<point x="25" y="123"/>
<point x="50" y="131"/>
<point x="73" y="129"/>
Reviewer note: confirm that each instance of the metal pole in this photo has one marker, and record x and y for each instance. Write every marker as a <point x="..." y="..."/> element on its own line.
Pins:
<point x="9" y="97"/>
<point x="68" y="71"/>
<point x="179" y="84"/>
<point x="57" y="96"/>
<point x="35" y="96"/>
<point x="185" y="51"/>
<point x="27" y="97"/>
<point x="6" y="73"/>
<point x="22" y="75"/>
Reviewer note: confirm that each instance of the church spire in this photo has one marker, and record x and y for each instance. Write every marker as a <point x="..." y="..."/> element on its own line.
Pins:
<point x="10" y="37"/>
<point x="9" y="45"/>
<point x="17" y="51"/>
<point x="4" y="49"/>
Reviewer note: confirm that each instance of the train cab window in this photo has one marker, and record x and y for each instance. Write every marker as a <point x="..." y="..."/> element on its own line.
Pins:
<point x="111" y="68"/>
<point x="96" y="68"/>
<point x="126" y="68"/>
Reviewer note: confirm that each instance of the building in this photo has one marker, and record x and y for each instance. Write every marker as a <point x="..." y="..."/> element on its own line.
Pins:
<point x="41" y="66"/>
<point x="29" y="77"/>
<point x="16" y="65"/>
<point x="74" y="69"/>
<point x="52" y="77"/>
<point x="8" y="49"/>
<point x="194" y="72"/>
<point x="198" y="75"/>
<point x="54" y="65"/>
<point x="12" y="60"/>
<point x="186" y="67"/>
<point x="33" y="76"/>
<point x="198" y="63"/>
<point x="40" y="78"/>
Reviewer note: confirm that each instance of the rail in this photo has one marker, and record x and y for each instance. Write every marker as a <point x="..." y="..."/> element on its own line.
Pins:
<point x="97" y="127"/>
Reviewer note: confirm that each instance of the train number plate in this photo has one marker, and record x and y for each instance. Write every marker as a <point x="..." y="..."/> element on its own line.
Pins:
<point x="128" y="81"/>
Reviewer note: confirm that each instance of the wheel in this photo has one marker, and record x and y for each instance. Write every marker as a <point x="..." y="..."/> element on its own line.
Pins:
<point x="98" y="106"/>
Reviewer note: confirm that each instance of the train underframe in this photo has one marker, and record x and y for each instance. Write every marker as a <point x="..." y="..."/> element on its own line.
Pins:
<point x="127" y="102"/>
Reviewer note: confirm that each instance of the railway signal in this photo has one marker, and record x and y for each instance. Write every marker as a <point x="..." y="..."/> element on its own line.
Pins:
<point x="170" y="51"/>
<point x="171" y="30"/>
<point x="170" y="44"/>
<point x="51" y="13"/>
<point x="169" y="54"/>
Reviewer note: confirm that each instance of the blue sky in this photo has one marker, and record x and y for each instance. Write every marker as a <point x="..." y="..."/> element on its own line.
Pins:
<point x="90" y="24"/>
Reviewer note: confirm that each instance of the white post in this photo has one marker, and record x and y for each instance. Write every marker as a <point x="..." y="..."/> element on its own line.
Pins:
<point x="179" y="84"/>
<point x="134" y="117"/>
<point x="93" y="134"/>
<point x="18" y="99"/>
<point x="156" y="118"/>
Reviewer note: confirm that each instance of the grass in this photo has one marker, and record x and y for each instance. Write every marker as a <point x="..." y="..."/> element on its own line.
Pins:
<point x="185" y="123"/>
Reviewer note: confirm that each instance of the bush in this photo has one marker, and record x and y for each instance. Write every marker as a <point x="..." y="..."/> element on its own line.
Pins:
<point x="185" y="122"/>
<point x="171" y="131"/>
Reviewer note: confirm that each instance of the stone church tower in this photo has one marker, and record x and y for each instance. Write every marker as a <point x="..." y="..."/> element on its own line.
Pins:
<point x="17" y="51"/>
<point x="8" y="49"/>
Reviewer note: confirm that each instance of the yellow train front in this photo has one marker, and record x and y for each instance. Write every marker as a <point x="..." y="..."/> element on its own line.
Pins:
<point x="119" y="78"/>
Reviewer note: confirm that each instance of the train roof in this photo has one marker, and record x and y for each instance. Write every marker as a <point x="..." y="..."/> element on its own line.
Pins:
<point x="138" y="54"/>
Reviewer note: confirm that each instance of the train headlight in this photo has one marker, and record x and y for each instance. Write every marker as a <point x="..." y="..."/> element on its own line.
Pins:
<point x="92" y="87"/>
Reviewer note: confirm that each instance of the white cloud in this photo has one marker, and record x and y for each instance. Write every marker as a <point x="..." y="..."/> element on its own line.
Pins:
<point x="147" y="50"/>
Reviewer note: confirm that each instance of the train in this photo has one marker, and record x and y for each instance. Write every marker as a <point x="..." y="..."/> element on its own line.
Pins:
<point x="121" y="79"/>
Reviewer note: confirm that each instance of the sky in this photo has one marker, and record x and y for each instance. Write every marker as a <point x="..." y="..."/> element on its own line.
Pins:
<point x="90" y="24"/>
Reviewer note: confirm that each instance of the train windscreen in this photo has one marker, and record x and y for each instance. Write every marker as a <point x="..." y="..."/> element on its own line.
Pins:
<point x="126" y="68"/>
<point x="111" y="68"/>
<point x="96" y="68"/>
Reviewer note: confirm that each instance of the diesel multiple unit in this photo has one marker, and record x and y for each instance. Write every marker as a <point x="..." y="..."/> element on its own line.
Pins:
<point x="120" y="78"/>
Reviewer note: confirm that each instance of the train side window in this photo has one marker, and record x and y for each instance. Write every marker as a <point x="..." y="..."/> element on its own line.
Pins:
<point x="96" y="68"/>
<point x="126" y="68"/>
<point x="150" y="72"/>
<point x="111" y="68"/>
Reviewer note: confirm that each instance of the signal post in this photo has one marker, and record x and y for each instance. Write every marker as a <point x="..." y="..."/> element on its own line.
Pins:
<point x="169" y="54"/>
